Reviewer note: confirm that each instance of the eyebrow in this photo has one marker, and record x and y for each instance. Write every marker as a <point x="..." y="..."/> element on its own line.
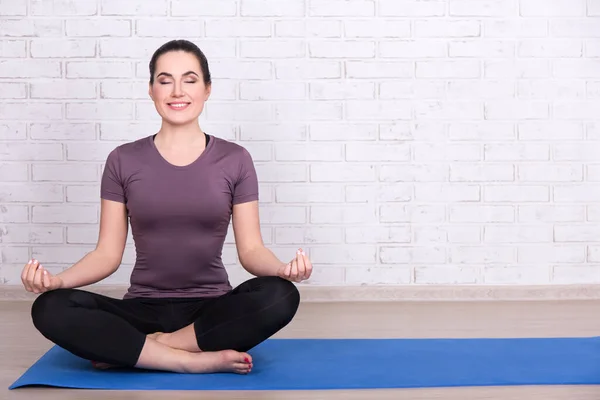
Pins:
<point x="170" y="76"/>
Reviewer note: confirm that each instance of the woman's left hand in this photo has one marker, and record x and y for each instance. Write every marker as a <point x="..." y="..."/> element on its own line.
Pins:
<point x="297" y="270"/>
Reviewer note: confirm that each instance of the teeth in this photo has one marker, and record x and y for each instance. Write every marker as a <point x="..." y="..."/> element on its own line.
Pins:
<point x="178" y="105"/>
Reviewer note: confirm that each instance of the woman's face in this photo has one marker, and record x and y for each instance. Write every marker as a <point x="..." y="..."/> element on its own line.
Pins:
<point x="178" y="91"/>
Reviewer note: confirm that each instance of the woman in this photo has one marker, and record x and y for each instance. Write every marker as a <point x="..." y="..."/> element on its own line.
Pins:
<point x="179" y="189"/>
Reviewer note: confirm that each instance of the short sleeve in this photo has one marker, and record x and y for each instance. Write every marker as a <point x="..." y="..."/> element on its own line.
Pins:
<point x="246" y="186"/>
<point x="111" y="186"/>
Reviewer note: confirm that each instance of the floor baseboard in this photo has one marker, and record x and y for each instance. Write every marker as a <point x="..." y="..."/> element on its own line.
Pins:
<point x="389" y="293"/>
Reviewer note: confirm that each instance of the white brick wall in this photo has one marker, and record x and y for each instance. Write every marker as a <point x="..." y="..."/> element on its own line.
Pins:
<point x="397" y="141"/>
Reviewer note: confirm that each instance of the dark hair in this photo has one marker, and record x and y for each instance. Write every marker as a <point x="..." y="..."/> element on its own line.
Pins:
<point x="181" y="45"/>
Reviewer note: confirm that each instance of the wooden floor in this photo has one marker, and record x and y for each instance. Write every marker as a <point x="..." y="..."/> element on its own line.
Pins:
<point x="21" y="345"/>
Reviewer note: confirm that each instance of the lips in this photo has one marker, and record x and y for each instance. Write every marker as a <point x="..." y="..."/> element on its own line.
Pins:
<point x="178" y="105"/>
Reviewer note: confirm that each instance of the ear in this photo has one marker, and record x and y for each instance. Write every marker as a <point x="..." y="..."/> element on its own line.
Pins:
<point x="150" y="91"/>
<point x="208" y="91"/>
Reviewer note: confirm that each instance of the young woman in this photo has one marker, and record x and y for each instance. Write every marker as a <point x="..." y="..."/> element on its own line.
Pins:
<point x="179" y="189"/>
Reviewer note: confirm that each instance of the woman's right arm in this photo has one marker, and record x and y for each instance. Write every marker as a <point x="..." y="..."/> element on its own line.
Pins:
<point x="106" y="258"/>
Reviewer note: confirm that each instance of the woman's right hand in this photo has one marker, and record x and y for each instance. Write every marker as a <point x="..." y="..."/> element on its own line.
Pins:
<point x="37" y="279"/>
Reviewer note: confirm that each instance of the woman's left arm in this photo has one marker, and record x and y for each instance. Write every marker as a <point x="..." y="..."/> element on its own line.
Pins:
<point x="254" y="256"/>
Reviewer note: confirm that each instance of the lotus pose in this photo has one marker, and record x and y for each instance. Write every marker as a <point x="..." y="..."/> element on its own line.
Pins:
<point x="178" y="189"/>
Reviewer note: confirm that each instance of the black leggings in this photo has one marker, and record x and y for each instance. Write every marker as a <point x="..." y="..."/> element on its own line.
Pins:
<point x="113" y="331"/>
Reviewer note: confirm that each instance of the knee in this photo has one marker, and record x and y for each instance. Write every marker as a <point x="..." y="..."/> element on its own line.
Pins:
<point x="284" y="298"/>
<point x="46" y="310"/>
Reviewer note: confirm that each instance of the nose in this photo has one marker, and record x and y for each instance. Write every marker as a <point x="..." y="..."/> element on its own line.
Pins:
<point x="177" y="92"/>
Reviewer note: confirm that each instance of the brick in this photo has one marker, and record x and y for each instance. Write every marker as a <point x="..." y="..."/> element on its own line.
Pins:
<point x="312" y="193"/>
<point x="16" y="234"/>
<point x="272" y="131"/>
<point x="99" y="69"/>
<point x="64" y="172"/>
<point x="129" y="48"/>
<point x="134" y="7"/>
<point x="32" y="111"/>
<point x="434" y="193"/>
<point x="13" y="172"/>
<point x="98" y="27"/>
<point x="554" y="130"/>
<point x="577" y="193"/>
<point x="206" y="8"/>
<point x="341" y="8"/>
<point x="480" y="172"/>
<point x="570" y="110"/>
<point x="272" y="49"/>
<point x="83" y="193"/>
<point x="305" y="28"/>
<point x="313" y="111"/>
<point x="411" y="49"/>
<point x="364" y="254"/>
<point x="378" y="110"/>
<point x="482" y="8"/>
<point x="515" y="28"/>
<point x="447" y="274"/>
<point x="550" y="213"/>
<point x="513" y="69"/>
<point x="481" y="49"/>
<point x="29" y="69"/>
<point x="448" y="69"/>
<point x="553" y="173"/>
<point x="62" y="131"/>
<point x="376" y="28"/>
<point x="31" y="27"/>
<point x="272" y="91"/>
<point x="341" y="90"/>
<point x="423" y="152"/>
<point x="284" y="173"/>
<point x="271" y="214"/>
<point x="13" y="214"/>
<point x="516" y="109"/>
<point x="272" y="8"/>
<point x="543" y="89"/>
<point x="89" y="151"/>
<point x="467" y="131"/>
<point x="378" y="234"/>
<point x="576" y="68"/>
<point x="414" y="173"/>
<point x="481" y="213"/>
<point x="577" y="233"/>
<point x="13" y="7"/>
<point x="435" y="28"/>
<point x="395" y="213"/>
<point x="31" y="193"/>
<point x="412" y="89"/>
<point x="343" y="131"/>
<point x="593" y="173"/>
<point x="309" y="152"/>
<point x="308" y="235"/>
<point x="63" y="89"/>
<point x="436" y="110"/>
<point x="374" y="276"/>
<point x="516" y="275"/>
<point x="516" y="193"/>
<point x="63" y="7"/>
<point x="14" y="254"/>
<point x="411" y="8"/>
<point x="238" y="28"/>
<point x="388" y="69"/>
<point x="260" y="152"/>
<point x="172" y="28"/>
<point x="412" y="255"/>
<point x="538" y="254"/>
<point x="123" y="90"/>
<point x="13" y="130"/>
<point x="518" y="234"/>
<point x="347" y="214"/>
<point x="382" y="193"/>
<point x="335" y="172"/>
<point x="558" y="8"/>
<point x="402" y="130"/>
<point x="307" y="69"/>
<point x="576" y="152"/>
<point x="341" y="49"/>
<point x="377" y="152"/>
<point x="482" y="254"/>
<point x="546" y="48"/>
<point x="103" y="111"/>
<point x="13" y="48"/>
<point x="13" y="90"/>
<point x="60" y="48"/>
<point x="516" y="152"/>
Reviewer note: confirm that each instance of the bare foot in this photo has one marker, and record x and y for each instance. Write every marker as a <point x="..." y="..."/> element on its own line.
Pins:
<point x="218" y="361"/>
<point x="154" y="336"/>
<point x="101" y="365"/>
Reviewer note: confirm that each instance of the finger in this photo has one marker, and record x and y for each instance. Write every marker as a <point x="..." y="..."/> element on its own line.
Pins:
<point x="308" y="264"/>
<point x="37" y="280"/>
<point x="31" y="272"/>
<point x="288" y="270"/>
<point x="24" y="274"/>
<point x="294" y="273"/>
<point x="301" y="265"/>
<point x="46" y="279"/>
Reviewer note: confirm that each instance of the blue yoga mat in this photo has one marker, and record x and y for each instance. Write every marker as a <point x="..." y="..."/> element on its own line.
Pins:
<point x="299" y="364"/>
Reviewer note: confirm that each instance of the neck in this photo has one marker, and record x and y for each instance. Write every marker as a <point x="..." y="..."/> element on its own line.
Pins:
<point x="180" y="135"/>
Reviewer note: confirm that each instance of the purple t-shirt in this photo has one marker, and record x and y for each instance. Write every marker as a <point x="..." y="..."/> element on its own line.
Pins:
<point x="179" y="215"/>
